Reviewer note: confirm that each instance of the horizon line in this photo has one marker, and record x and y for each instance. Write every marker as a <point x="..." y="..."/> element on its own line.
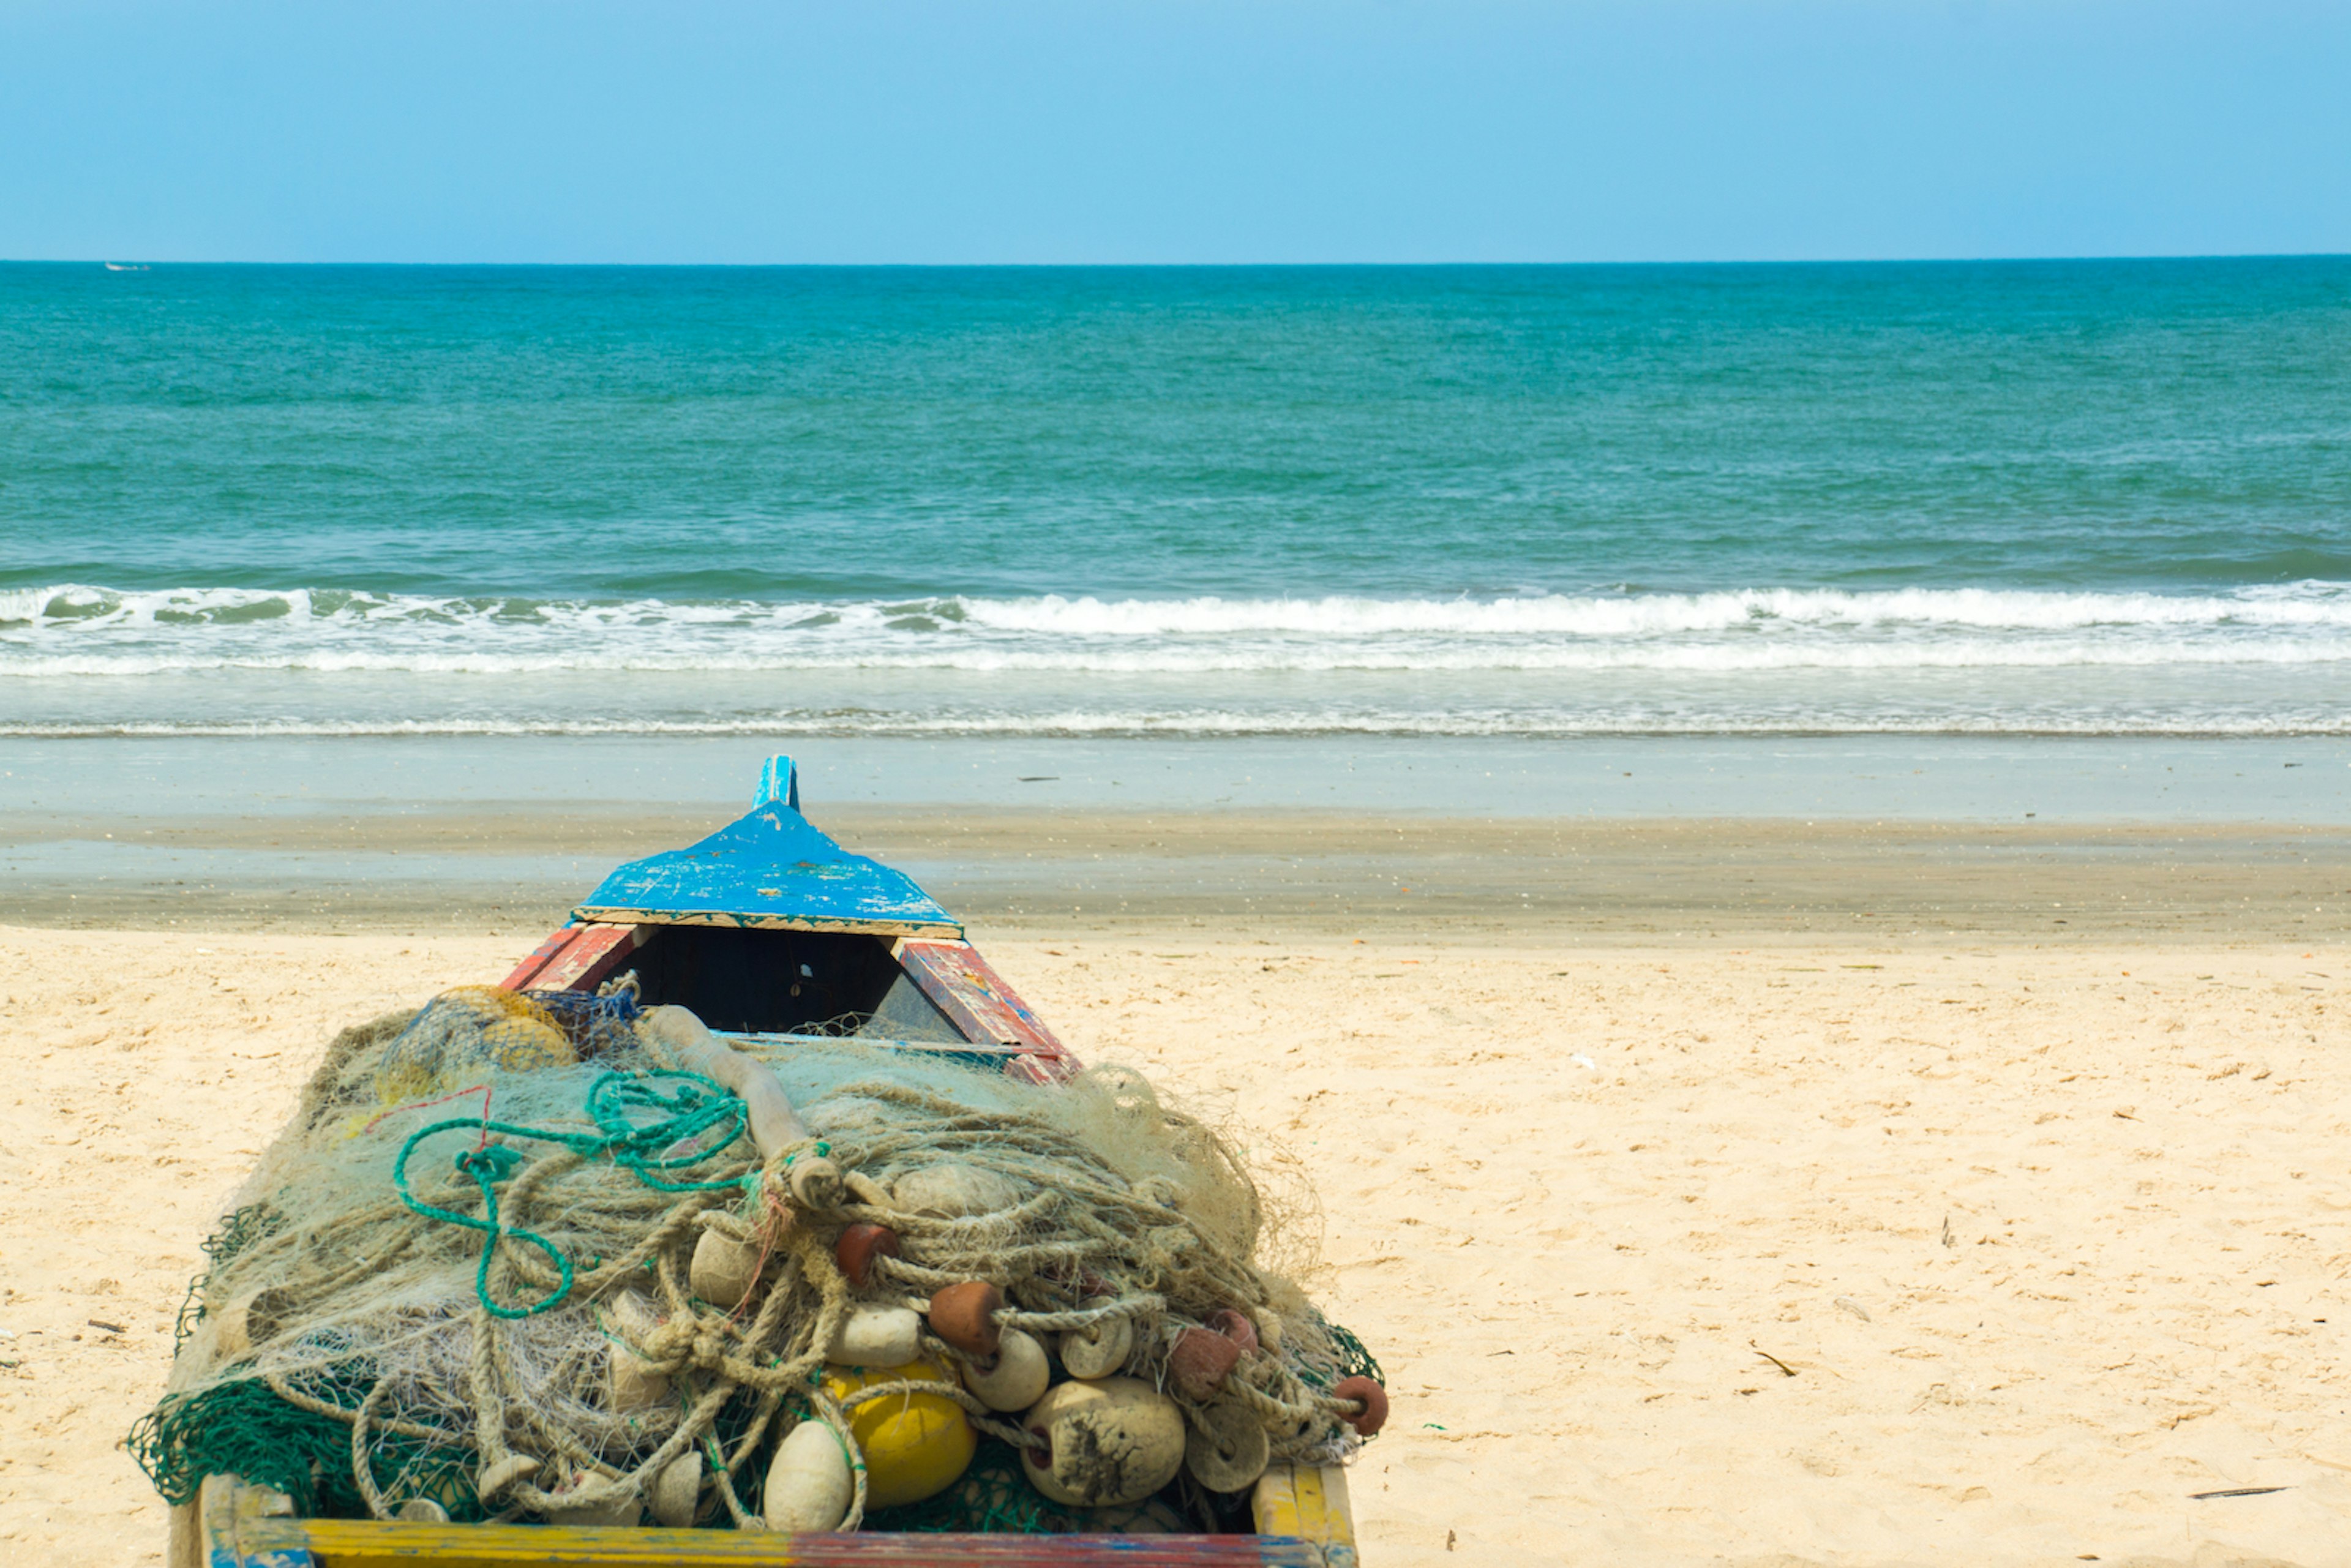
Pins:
<point x="123" y="261"/>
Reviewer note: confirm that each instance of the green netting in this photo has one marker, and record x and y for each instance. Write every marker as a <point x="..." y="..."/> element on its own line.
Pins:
<point x="1355" y="1360"/>
<point x="237" y="1231"/>
<point x="243" y="1427"/>
<point x="993" y="1497"/>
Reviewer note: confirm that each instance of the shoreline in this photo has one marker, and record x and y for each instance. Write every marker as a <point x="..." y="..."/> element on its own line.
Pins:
<point x="1862" y="777"/>
<point x="1259" y="873"/>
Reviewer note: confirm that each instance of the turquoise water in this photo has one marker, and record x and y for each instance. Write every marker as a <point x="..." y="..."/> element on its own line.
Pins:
<point x="2014" y="498"/>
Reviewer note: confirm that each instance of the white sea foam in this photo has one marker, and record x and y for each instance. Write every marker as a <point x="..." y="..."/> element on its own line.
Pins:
<point x="1211" y="723"/>
<point x="75" y="630"/>
<point x="83" y="660"/>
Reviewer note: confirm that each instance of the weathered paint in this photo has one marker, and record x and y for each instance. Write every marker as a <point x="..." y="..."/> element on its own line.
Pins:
<point x="846" y="924"/>
<point x="241" y="1535"/>
<point x="524" y="971"/>
<point x="768" y="868"/>
<point x="577" y="958"/>
<point x="984" y="1009"/>
<point x="974" y="995"/>
<point x="1035" y="1067"/>
<point x="1310" y="1503"/>
<point x="779" y="784"/>
<point x="248" y="1526"/>
<point x="242" y="1526"/>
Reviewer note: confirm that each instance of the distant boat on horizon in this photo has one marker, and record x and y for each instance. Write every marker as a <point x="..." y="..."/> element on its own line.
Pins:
<point x="126" y="267"/>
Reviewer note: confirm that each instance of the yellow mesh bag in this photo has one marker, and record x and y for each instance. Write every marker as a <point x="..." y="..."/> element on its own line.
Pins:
<point x="461" y="1031"/>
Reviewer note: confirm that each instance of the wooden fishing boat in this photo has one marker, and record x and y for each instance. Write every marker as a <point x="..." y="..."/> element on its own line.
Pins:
<point x="769" y="929"/>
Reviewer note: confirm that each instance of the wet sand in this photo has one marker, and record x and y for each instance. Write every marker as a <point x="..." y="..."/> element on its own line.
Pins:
<point x="1590" y="882"/>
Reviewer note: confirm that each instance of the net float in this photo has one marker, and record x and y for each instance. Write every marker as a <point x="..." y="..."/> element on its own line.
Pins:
<point x="873" y="1336"/>
<point x="1014" y="1378"/>
<point x="859" y="1246"/>
<point x="492" y="1479"/>
<point x="248" y="1319"/>
<point x="1100" y="1349"/>
<point x="677" y="1491"/>
<point x="964" y="1316"/>
<point x="953" y="1191"/>
<point x="1228" y="1448"/>
<point x="916" y="1444"/>
<point x="1373" y="1398"/>
<point x="809" y="1482"/>
<point x="1199" y="1361"/>
<point x="723" y="1271"/>
<point x="1101" y="1445"/>
<point x="1236" y="1327"/>
<point x="630" y="1383"/>
<point x="815" y="1182"/>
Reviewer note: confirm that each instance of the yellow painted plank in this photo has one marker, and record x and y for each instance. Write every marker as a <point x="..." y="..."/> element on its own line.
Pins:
<point x="345" y="1543"/>
<point x="1306" y="1500"/>
<point x="337" y="1543"/>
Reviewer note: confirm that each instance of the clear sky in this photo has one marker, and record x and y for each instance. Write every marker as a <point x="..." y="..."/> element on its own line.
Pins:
<point x="1170" y="130"/>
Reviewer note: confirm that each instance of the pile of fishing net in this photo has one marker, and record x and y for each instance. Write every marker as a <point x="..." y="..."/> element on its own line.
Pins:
<point x="544" y="1256"/>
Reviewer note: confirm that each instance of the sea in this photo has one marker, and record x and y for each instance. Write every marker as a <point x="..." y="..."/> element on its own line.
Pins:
<point x="1531" y="507"/>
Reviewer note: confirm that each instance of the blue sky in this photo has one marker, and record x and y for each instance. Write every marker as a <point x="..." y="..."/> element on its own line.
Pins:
<point x="1095" y="131"/>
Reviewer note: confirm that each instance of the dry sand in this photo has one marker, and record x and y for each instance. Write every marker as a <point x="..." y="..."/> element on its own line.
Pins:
<point x="1905" y="1253"/>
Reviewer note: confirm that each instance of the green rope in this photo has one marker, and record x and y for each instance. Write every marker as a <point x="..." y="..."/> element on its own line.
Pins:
<point x="697" y="1105"/>
<point x="686" y="1113"/>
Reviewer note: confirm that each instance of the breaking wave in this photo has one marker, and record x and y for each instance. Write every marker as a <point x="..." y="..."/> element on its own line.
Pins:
<point x="73" y="630"/>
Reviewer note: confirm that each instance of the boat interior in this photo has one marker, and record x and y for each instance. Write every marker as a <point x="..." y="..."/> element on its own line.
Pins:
<point x="765" y="981"/>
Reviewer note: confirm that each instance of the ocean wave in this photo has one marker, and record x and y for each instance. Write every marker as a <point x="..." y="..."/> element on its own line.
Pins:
<point x="77" y="608"/>
<point x="1389" y="659"/>
<point x="75" y="630"/>
<point x="1115" y="724"/>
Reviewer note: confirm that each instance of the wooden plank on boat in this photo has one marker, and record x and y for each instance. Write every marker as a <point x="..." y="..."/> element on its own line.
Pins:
<point x="1037" y="1067"/>
<point x="339" y="1543"/>
<point x="753" y="920"/>
<point x="976" y="999"/>
<point x="975" y="1053"/>
<point x="525" y="971"/>
<point x="1308" y="1501"/>
<point x="240" y="1526"/>
<point x="590" y="958"/>
<point x="576" y="958"/>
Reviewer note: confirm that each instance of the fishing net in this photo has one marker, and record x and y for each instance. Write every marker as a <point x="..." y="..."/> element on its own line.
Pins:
<point x="466" y="1273"/>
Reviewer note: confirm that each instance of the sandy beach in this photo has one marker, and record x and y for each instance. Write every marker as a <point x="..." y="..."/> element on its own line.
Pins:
<point x="1862" y="1250"/>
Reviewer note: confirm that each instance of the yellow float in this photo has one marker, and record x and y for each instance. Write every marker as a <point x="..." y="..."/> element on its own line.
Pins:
<point x="915" y="1445"/>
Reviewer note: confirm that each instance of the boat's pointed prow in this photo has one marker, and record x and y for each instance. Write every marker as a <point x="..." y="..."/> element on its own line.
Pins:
<point x="769" y="868"/>
<point x="779" y="785"/>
